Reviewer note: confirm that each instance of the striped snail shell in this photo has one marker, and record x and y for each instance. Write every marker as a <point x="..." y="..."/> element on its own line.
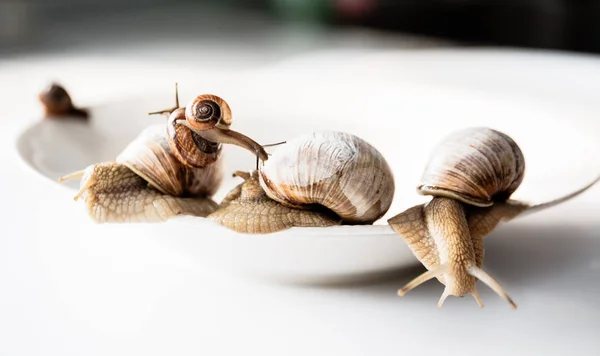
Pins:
<point x="151" y="157"/>
<point x="476" y="166"/>
<point x="336" y="170"/>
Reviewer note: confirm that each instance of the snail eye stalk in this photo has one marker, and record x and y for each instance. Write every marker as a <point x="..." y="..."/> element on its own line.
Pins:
<point x="269" y="145"/>
<point x="169" y="111"/>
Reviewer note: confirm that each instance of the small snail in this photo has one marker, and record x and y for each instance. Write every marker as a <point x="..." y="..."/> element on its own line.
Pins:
<point x="321" y="179"/>
<point x="471" y="175"/>
<point x="57" y="103"/>
<point x="165" y="171"/>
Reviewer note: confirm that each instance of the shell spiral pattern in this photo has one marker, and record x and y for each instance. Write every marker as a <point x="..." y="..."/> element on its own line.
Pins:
<point x="476" y="166"/>
<point x="208" y="110"/>
<point x="336" y="170"/>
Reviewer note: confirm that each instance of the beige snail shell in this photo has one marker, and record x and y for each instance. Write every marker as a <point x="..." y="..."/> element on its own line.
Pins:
<point x="336" y="175"/>
<point x="475" y="166"/>
<point x="337" y="170"/>
<point x="150" y="156"/>
<point x="471" y="175"/>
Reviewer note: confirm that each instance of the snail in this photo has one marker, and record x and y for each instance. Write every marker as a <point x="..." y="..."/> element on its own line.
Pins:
<point x="471" y="175"/>
<point x="316" y="180"/>
<point x="57" y="103"/>
<point x="166" y="170"/>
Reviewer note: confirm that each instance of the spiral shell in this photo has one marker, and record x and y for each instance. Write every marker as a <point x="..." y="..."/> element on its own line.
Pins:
<point x="150" y="156"/>
<point x="206" y="111"/>
<point x="336" y="170"/>
<point x="190" y="149"/>
<point x="476" y="166"/>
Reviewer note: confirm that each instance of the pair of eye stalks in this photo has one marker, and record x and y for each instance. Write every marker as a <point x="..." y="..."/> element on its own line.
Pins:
<point x="320" y="179"/>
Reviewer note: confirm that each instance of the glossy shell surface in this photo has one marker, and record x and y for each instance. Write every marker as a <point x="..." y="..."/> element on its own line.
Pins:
<point x="150" y="156"/>
<point x="476" y="166"/>
<point x="337" y="170"/>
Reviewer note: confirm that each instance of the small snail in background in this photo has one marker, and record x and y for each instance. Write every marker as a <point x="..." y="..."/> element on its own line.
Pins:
<point x="471" y="175"/>
<point x="316" y="180"/>
<point x="57" y="103"/>
<point x="166" y="170"/>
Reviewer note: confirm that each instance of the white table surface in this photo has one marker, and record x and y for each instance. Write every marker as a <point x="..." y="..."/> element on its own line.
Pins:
<point x="64" y="291"/>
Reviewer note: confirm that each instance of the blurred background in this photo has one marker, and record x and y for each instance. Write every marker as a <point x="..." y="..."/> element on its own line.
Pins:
<point x="287" y="26"/>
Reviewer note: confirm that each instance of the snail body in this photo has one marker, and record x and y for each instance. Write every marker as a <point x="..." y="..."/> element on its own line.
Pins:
<point x="114" y="193"/>
<point x="328" y="173"/>
<point x="470" y="176"/>
<point x="180" y="160"/>
<point x="247" y="209"/>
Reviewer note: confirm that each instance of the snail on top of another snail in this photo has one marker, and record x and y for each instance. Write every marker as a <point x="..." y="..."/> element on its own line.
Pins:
<point x="166" y="170"/>
<point x="316" y="180"/>
<point x="471" y="175"/>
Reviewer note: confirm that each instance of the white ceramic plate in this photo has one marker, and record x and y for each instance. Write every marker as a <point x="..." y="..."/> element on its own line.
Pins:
<point x="403" y="116"/>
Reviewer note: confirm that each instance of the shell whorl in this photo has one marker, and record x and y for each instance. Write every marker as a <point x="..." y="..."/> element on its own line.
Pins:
<point x="206" y="111"/>
<point x="476" y="166"/>
<point x="150" y="156"/>
<point x="190" y="149"/>
<point x="336" y="170"/>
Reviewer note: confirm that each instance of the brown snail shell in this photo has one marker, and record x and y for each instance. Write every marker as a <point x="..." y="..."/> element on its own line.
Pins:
<point x="58" y="103"/>
<point x="187" y="146"/>
<point x="476" y="166"/>
<point x="336" y="170"/>
<point x="208" y="110"/>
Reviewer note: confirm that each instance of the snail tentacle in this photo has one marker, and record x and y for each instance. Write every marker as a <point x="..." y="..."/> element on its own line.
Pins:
<point x="170" y="110"/>
<point x="492" y="283"/>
